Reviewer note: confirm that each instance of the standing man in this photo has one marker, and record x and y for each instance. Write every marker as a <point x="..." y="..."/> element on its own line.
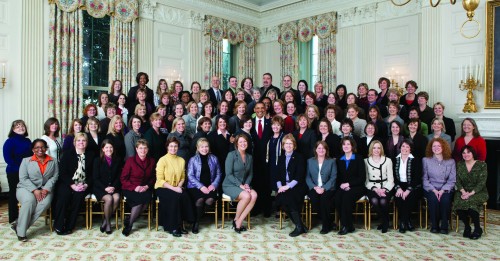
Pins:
<point x="287" y="86"/>
<point x="214" y="92"/>
<point x="142" y="79"/>
<point x="267" y="82"/>
<point x="233" y="84"/>
<point x="261" y="133"/>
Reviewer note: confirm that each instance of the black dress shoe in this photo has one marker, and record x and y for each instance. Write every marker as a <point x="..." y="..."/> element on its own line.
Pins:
<point x="384" y="229"/>
<point x="109" y="232"/>
<point x="14" y="228"/>
<point x="102" y="228"/>
<point x="476" y="234"/>
<point x="467" y="232"/>
<point x="196" y="228"/>
<point x="299" y="230"/>
<point x="343" y="231"/>
<point x="444" y="231"/>
<point x="379" y="227"/>
<point x="325" y="230"/>
<point x="61" y="232"/>
<point x="126" y="230"/>
<point x="434" y="230"/>
<point x="176" y="233"/>
<point x="22" y="239"/>
<point x="410" y="227"/>
<point x="351" y="229"/>
<point x="183" y="231"/>
<point x="402" y="227"/>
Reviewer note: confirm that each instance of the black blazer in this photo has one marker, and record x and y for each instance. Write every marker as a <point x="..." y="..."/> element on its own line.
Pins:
<point x="296" y="170"/>
<point x="260" y="145"/>
<point x="334" y="147"/>
<point x="413" y="173"/>
<point x="118" y="142"/>
<point x="419" y="145"/>
<point x="213" y="98"/>
<point x="219" y="146"/>
<point x="69" y="164"/>
<point x="107" y="176"/>
<point x="305" y="145"/>
<point x="132" y="98"/>
<point x="355" y="174"/>
<point x="363" y="147"/>
<point x="92" y="145"/>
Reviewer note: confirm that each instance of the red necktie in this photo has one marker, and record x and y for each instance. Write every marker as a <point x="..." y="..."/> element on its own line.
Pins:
<point x="259" y="129"/>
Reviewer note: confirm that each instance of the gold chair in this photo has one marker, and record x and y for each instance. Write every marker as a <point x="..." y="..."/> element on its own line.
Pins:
<point x="228" y="209"/>
<point x="306" y="213"/>
<point x="484" y="217"/>
<point x="123" y="213"/>
<point x="93" y="200"/>
<point x="365" y="204"/>
<point x="426" y="217"/>
<point x="47" y="216"/>
<point x="422" y="204"/>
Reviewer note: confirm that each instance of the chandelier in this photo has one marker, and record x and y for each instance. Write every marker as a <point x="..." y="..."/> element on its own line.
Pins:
<point x="469" y="6"/>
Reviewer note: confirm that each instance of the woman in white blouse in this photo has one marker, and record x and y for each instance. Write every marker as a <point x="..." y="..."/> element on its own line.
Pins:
<point x="51" y="129"/>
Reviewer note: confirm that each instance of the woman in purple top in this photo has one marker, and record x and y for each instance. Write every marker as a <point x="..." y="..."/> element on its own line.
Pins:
<point x="15" y="148"/>
<point x="439" y="176"/>
<point x="204" y="176"/>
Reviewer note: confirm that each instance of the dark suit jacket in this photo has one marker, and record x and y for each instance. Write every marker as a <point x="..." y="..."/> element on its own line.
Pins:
<point x="355" y="174"/>
<point x="92" y="145"/>
<point x="328" y="173"/>
<point x="305" y="145"/>
<point x="106" y="176"/>
<point x="296" y="170"/>
<point x="334" y="147"/>
<point x="419" y="145"/>
<point x="260" y="145"/>
<point x="133" y="174"/>
<point x="132" y="98"/>
<point x="69" y="164"/>
<point x="413" y="173"/>
<point x="213" y="98"/>
<point x="363" y="147"/>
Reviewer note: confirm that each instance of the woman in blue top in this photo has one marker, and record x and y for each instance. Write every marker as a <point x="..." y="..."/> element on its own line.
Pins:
<point x="15" y="148"/>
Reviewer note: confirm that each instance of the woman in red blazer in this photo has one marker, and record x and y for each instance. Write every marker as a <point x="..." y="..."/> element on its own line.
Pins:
<point x="138" y="177"/>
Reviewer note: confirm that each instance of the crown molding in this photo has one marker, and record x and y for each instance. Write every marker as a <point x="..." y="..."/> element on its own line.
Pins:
<point x="265" y="7"/>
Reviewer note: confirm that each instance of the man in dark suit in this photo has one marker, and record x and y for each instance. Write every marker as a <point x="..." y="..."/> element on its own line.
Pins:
<point x="214" y="92"/>
<point x="372" y="100"/>
<point x="142" y="79"/>
<point x="287" y="86"/>
<point x="261" y="133"/>
<point x="267" y="82"/>
<point x="233" y="84"/>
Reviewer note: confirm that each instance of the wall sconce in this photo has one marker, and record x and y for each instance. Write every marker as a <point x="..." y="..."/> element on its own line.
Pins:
<point x="4" y="79"/>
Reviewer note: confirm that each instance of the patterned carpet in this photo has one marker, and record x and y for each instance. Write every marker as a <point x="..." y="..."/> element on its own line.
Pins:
<point x="265" y="241"/>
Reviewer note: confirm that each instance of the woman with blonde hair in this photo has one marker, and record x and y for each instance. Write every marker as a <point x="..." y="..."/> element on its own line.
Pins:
<point x="115" y="135"/>
<point x="179" y="132"/>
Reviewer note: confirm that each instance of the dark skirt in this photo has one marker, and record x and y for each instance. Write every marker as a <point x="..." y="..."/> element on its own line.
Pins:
<point x="136" y="198"/>
<point x="101" y="193"/>
<point x="196" y="194"/>
<point x="174" y="208"/>
<point x="292" y="199"/>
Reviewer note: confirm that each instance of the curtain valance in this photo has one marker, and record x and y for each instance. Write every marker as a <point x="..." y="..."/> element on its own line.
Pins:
<point x="235" y="33"/>
<point x="125" y="11"/>
<point x="304" y="29"/>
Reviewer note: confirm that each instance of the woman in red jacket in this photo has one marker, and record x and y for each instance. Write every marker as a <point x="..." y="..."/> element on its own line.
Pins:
<point x="138" y="178"/>
<point x="470" y="136"/>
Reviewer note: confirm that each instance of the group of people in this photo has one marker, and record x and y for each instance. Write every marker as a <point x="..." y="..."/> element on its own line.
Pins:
<point x="188" y="148"/>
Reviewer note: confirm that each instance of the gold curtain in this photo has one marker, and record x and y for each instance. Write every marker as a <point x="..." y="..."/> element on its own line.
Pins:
<point x="122" y="55"/>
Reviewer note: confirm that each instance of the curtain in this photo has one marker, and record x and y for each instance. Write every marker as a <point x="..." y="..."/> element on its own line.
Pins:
<point x="324" y="26"/>
<point x="65" y="65"/>
<point x="327" y="69"/>
<point x="122" y="52"/>
<point x="217" y="29"/>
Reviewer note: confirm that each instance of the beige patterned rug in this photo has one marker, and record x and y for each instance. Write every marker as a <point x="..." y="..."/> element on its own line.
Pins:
<point x="265" y="241"/>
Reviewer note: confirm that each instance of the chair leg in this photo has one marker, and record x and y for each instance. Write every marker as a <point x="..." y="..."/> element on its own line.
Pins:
<point x="223" y="212"/>
<point x="485" y="214"/>
<point x="156" y="216"/>
<point x="281" y="219"/>
<point x="149" y="216"/>
<point x="215" y="214"/>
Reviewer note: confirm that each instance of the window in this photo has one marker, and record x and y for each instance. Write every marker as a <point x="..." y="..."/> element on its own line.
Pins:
<point x="95" y="57"/>
<point x="227" y="63"/>
<point x="308" y="61"/>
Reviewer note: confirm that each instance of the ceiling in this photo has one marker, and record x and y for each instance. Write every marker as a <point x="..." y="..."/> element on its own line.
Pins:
<point x="263" y="5"/>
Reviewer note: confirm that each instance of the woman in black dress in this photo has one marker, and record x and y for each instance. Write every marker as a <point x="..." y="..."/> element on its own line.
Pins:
<point x="107" y="170"/>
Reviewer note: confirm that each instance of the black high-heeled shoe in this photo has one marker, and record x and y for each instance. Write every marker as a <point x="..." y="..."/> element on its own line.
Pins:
<point x="236" y="229"/>
<point x="102" y="228"/>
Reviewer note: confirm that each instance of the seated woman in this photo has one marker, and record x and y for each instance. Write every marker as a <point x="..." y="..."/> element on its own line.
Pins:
<point x="37" y="177"/>
<point x="107" y="170"/>
<point x="379" y="182"/>
<point x="291" y="183"/>
<point x="320" y="178"/>
<point x="175" y="204"/>
<point x="239" y="174"/>
<point x="204" y="176"/>
<point x="137" y="180"/>
<point x="408" y="184"/>
<point x="351" y="180"/>
<point x="471" y="191"/>
<point x="73" y="186"/>
<point x="439" y="176"/>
